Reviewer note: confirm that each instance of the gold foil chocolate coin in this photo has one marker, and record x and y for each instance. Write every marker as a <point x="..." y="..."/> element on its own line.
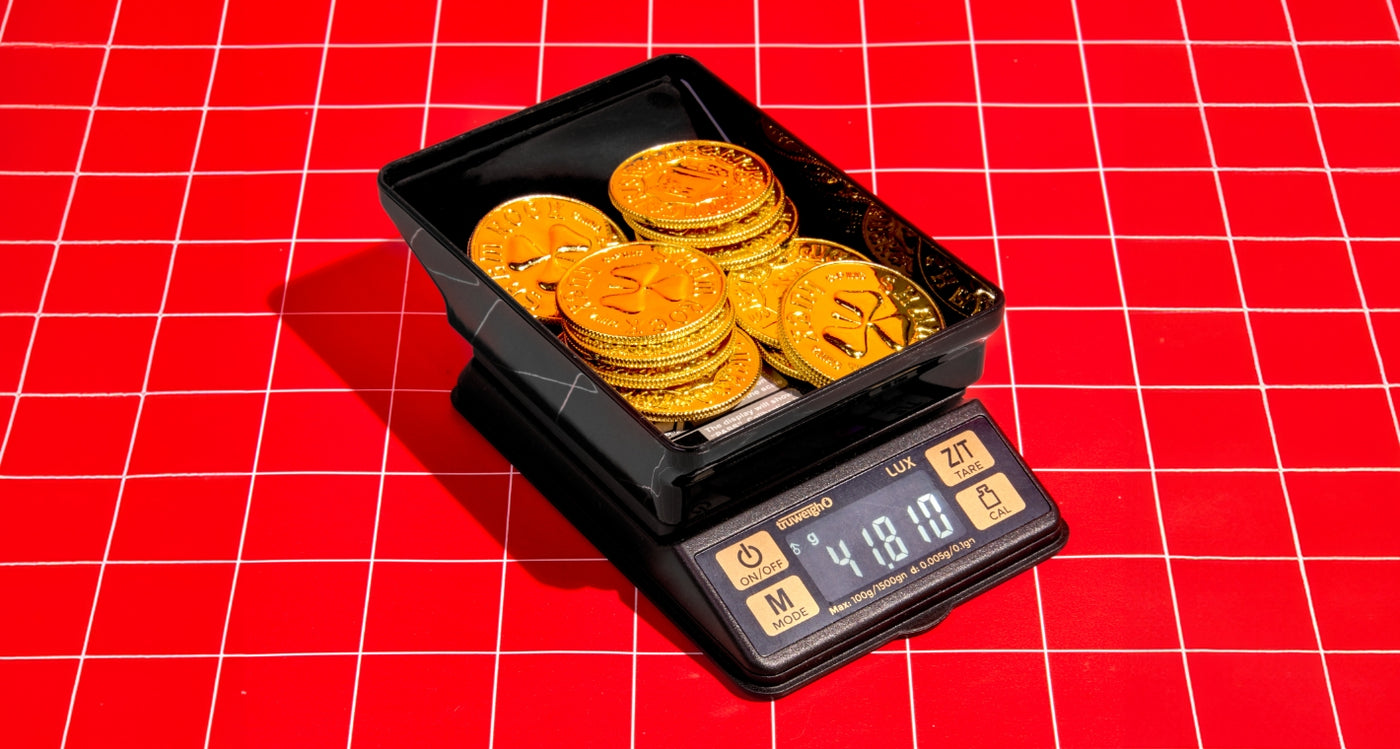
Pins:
<point x="775" y="358"/>
<point x="841" y="316"/>
<point x="527" y="244"/>
<point x="761" y="248"/>
<point x="641" y="292"/>
<point x="653" y="376"/>
<point x="657" y="354"/>
<point x="703" y="398"/>
<point x="745" y="227"/>
<point x="757" y="292"/>
<point x="690" y="183"/>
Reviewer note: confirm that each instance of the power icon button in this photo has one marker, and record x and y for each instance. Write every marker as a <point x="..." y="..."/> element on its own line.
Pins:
<point x="750" y="556"/>
<point x="751" y="560"/>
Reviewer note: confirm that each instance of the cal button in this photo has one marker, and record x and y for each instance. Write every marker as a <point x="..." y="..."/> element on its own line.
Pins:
<point x="991" y="501"/>
<point x="782" y="605"/>
<point x="752" y="560"/>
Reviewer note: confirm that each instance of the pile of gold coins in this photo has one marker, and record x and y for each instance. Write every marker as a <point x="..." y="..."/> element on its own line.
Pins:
<point x="717" y="283"/>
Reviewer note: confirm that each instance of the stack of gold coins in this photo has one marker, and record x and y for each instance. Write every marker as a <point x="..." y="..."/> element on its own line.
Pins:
<point x="654" y="321"/>
<point x="681" y="321"/>
<point x="715" y="197"/>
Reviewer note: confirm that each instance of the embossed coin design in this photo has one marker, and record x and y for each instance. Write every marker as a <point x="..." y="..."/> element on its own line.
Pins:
<point x="757" y="293"/>
<point x="704" y="398"/>
<point x="527" y="244"/>
<point x="841" y="316"/>
<point x="641" y="292"/>
<point x="690" y="183"/>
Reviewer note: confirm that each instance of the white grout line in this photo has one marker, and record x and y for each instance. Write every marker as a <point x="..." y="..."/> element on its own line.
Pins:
<point x="539" y="74"/>
<point x="432" y="70"/>
<point x="1010" y="366"/>
<point x="512" y="107"/>
<point x="505" y="43"/>
<point x="438" y="314"/>
<point x="510" y="481"/>
<point x="1137" y="375"/>
<point x="1386" y="240"/>
<point x="636" y="593"/>
<point x="389" y="415"/>
<point x="501" y="611"/>
<point x="1176" y="388"/>
<point x="632" y="709"/>
<point x="875" y="188"/>
<point x="935" y="170"/>
<point x="1039" y="469"/>
<point x="869" y="101"/>
<point x="595" y="560"/>
<point x="1259" y="375"/>
<point x="150" y="351"/>
<point x="773" y="716"/>
<point x="58" y="242"/>
<point x="33" y="334"/>
<point x="271" y="371"/>
<point x="1375" y="347"/>
<point x="1342" y="222"/>
<point x="758" y="96"/>
<point x="692" y="654"/>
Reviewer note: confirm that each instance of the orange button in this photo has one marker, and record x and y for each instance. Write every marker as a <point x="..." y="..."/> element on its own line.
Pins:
<point x="990" y="501"/>
<point x="959" y="458"/>
<point x="752" y="560"/>
<point x="782" y="605"/>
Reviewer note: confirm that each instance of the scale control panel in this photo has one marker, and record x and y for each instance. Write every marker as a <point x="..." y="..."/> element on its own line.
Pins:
<point x="885" y="529"/>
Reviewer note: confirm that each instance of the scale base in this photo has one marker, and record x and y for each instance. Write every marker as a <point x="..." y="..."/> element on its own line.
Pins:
<point x="658" y="567"/>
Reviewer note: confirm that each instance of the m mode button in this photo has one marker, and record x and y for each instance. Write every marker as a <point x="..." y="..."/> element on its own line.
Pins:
<point x="782" y="605"/>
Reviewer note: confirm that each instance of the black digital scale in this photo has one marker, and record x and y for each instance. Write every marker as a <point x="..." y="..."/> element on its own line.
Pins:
<point x="855" y="514"/>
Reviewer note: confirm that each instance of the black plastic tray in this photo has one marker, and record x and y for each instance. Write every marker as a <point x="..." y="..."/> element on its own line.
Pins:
<point x="570" y="145"/>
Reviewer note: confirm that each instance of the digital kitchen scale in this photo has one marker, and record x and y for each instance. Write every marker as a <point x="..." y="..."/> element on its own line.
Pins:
<point x="785" y="545"/>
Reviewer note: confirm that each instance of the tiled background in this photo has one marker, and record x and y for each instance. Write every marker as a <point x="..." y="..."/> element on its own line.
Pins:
<point x="236" y="508"/>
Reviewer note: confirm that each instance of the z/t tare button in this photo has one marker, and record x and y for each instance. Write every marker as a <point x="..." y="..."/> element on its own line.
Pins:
<point x="752" y="560"/>
<point x="959" y="458"/>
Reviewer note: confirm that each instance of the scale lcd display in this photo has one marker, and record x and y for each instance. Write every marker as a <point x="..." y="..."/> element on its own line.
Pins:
<point x="875" y="535"/>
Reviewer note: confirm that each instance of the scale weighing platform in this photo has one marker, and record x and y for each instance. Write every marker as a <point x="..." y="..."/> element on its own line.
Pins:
<point x="856" y="514"/>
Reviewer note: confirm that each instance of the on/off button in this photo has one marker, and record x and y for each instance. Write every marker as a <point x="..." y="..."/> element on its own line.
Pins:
<point x="752" y="560"/>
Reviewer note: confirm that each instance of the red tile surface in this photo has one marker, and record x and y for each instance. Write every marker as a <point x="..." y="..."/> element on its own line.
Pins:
<point x="142" y="701"/>
<point x="1122" y="699"/>
<point x="267" y="700"/>
<point x="160" y="609"/>
<point x="573" y="690"/>
<point x="432" y="606"/>
<point x="1242" y="605"/>
<point x="189" y="274"/>
<point x="425" y="699"/>
<point x="311" y="516"/>
<point x="55" y="520"/>
<point x="158" y="520"/>
<point x="1254" y="698"/>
